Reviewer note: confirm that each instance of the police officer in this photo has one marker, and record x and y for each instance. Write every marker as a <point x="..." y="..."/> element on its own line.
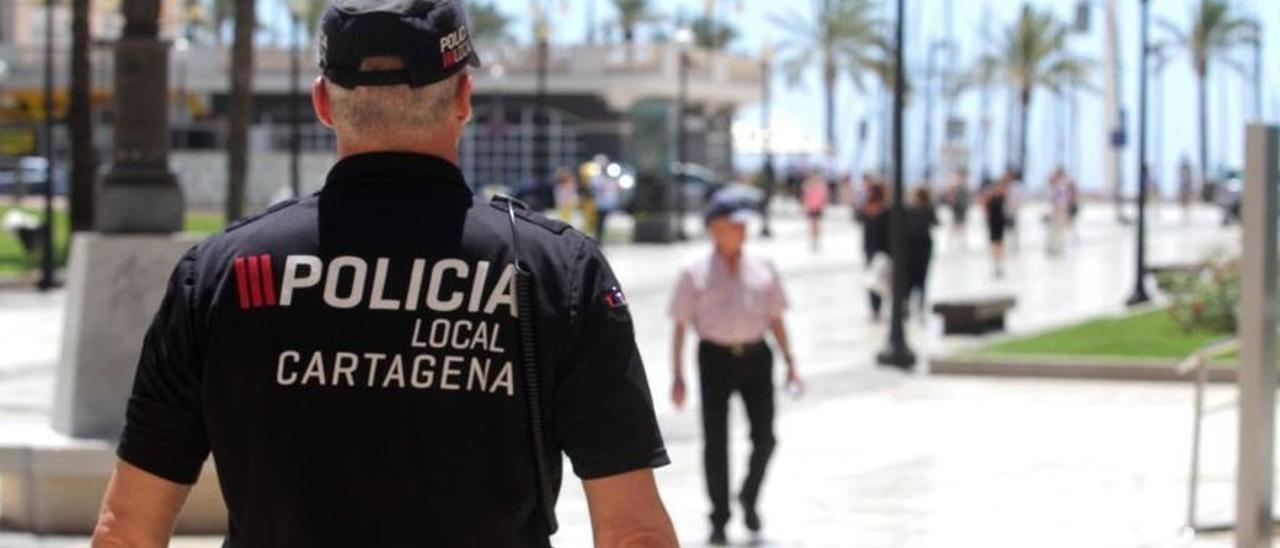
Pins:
<point x="354" y="359"/>
<point x="732" y="300"/>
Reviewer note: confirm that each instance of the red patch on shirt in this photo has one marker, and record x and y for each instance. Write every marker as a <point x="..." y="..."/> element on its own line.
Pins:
<point x="615" y="298"/>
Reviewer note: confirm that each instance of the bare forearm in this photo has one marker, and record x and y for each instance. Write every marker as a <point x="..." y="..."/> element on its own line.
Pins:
<point x="677" y="351"/>
<point x="642" y="539"/>
<point x="779" y="329"/>
<point x="138" y="511"/>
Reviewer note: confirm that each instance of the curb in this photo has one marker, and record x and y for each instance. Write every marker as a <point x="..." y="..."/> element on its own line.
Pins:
<point x="1114" y="369"/>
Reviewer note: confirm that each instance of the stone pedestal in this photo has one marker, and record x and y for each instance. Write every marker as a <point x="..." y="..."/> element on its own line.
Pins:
<point x="114" y="287"/>
<point x="51" y="484"/>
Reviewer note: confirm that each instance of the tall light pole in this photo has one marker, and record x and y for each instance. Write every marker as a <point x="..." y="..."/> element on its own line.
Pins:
<point x="541" y="121"/>
<point x="1140" y="284"/>
<point x="897" y="353"/>
<point x="766" y="122"/>
<point x="47" y="280"/>
<point x="684" y="41"/>
<point x="297" y="8"/>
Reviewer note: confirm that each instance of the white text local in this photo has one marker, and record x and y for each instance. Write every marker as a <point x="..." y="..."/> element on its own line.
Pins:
<point x="452" y="285"/>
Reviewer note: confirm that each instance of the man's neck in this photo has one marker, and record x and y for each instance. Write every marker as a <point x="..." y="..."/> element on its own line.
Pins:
<point x="449" y="153"/>
<point x="730" y="259"/>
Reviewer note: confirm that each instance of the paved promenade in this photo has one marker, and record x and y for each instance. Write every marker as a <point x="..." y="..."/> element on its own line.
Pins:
<point x="872" y="458"/>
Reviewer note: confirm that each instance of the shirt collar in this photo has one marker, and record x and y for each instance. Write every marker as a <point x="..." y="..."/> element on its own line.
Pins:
<point x="396" y="166"/>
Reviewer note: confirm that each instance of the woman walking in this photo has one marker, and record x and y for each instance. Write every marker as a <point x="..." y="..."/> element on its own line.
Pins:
<point x="875" y="235"/>
<point x="815" y="198"/>
<point x="994" y="202"/>
<point x="921" y="220"/>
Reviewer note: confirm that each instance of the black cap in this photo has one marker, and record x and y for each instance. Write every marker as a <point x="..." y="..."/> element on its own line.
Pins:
<point x="431" y="36"/>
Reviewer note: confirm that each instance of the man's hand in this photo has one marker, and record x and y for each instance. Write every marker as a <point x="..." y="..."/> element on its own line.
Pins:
<point x="678" y="393"/>
<point x="626" y="512"/>
<point x="795" y="384"/>
<point x="139" y="509"/>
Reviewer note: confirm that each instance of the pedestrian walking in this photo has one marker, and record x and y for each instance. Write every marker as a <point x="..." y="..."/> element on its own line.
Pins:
<point x="733" y="300"/>
<point x="608" y="197"/>
<point x="921" y="219"/>
<point x="994" y="202"/>
<point x="959" y="198"/>
<point x="1012" y="207"/>
<point x="874" y="215"/>
<point x="363" y="363"/>
<point x="815" y="199"/>
<point x="1059" y="216"/>
<point x="568" y="202"/>
<point x="1186" y="187"/>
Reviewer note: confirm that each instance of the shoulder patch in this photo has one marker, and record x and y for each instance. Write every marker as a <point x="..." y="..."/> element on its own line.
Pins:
<point x="522" y="212"/>
<point x="251" y="218"/>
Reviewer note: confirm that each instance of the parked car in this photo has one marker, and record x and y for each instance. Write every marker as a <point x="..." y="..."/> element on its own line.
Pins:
<point x="31" y="173"/>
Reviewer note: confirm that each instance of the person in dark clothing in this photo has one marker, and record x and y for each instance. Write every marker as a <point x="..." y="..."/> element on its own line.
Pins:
<point x="994" y="202"/>
<point x="875" y="234"/>
<point x="921" y="220"/>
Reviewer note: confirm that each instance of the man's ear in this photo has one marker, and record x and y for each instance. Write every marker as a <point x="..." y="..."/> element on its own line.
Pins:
<point x="462" y="99"/>
<point x="320" y="102"/>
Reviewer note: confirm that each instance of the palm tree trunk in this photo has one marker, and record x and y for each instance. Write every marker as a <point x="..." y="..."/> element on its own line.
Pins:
<point x="80" y="121"/>
<point x="829" y="90"/>
<point x="1202" y="105"/>
<point x="241" y="104"/>
<point x="1024" y="116"/>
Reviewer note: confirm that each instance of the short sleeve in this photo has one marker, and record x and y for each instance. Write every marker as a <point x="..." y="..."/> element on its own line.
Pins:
<point x="604" y="413"/>
<point x="775" y="295"/>
<point x="164" y="431"/>
<point x="685" y="299"/>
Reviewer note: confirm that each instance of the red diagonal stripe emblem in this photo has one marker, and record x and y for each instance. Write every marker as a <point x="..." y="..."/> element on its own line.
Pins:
<point x="242" y="283"/>
<point x="255" y="282"/>
<point x="268" y="280"/>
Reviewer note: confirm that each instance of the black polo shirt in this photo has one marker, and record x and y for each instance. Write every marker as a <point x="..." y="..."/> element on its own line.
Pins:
<point x="350" y="359"/>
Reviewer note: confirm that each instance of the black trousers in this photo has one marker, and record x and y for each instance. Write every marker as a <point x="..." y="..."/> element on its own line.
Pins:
<point x="722" y="372"/>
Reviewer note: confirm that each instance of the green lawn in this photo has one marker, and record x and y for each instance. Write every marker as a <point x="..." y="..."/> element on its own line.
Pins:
<point x="1151" y="334"/>
<point x="14" y="261"/>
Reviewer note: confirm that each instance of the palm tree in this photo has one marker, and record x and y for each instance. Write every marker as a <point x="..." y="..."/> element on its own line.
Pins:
<point x="841" y="35"/>
<point x="632" y="14"/>
<point x="487" y="23"/>
<point x="80" y="121"/>
<point x="1217" y="30"/>
<point x="240" y="107"/>
<point x="713" y="35"/>
<point x="1033" y="53"/>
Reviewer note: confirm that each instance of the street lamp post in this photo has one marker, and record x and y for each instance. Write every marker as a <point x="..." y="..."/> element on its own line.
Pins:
<point x="684" y="40"/>
<point x="47" y="280"/>
<point x="541" y="119"/>
<point x="897" y="353"/>
<point x="766" y="122"/>
<point x="1140" y="284"/>
<point x="296" y="10"/>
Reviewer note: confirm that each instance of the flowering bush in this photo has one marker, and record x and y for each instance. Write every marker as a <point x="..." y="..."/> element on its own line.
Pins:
<point x="1206" y="299"/>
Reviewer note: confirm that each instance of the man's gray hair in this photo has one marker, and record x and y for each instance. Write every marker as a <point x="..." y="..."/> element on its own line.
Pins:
<point x="380" y="113"/>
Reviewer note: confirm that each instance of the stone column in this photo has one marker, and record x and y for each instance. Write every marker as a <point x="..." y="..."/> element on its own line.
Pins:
<point x="139" y="194"/>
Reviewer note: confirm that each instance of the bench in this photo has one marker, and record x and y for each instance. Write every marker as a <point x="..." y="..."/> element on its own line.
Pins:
<point x="974" y="315"/>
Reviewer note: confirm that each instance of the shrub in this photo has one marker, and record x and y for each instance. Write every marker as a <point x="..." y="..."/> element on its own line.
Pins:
<point x="1206" y="300"/>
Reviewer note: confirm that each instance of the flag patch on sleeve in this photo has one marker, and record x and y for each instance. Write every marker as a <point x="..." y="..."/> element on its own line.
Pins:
<point x="615" y="298"/>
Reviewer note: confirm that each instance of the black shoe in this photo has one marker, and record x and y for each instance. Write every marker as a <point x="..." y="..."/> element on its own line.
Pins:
<point x="718" y="537"/>
<point x="749" y="516"/>
<point x="752" y="520"/>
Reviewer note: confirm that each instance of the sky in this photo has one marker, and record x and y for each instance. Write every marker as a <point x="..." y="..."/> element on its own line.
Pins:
<point x="1231" y="96"/>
